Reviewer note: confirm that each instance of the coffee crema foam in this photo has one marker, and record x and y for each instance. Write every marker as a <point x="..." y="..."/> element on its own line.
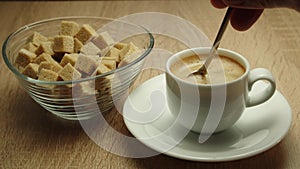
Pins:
<point x="222" y="69"/>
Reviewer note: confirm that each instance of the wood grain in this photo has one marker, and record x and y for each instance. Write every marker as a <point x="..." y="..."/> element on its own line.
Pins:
<point x="31" y="137"/>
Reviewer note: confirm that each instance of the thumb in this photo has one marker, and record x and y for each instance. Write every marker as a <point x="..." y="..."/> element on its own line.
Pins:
<point x="261" y="4"/>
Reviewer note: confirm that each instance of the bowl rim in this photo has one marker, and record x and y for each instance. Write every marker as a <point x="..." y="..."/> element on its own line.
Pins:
<point x="120" y="69"/>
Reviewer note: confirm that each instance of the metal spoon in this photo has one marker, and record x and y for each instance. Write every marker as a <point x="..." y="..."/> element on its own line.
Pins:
<point x="203" y="69"/>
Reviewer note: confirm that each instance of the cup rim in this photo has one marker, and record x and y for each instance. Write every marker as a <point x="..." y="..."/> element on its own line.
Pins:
<point x="28" y="26"/>
<point x="205" y="50"/>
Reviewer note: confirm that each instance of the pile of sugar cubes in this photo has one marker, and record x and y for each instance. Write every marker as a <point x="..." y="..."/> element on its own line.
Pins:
<point x="78" y="51"/>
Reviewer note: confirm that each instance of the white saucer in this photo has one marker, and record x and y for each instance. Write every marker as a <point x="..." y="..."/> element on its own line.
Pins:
<point x="260" y="127"/>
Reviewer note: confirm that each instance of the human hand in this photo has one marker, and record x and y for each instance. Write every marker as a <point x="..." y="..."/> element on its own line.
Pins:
<point x="246" y="12"/>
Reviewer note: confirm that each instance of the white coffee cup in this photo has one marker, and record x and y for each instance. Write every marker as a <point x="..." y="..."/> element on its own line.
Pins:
<point x="210" y="108"/>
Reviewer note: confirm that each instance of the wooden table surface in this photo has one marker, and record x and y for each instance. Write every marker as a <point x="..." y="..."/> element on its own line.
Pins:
<point x="31" y="137"/>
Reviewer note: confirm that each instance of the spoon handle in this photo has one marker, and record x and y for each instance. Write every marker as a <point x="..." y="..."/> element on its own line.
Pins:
<point x="218" y="37"/>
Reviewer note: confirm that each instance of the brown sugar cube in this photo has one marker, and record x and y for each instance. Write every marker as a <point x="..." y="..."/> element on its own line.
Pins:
<point x="123" y="51"/>
<point x="63" y="43"/>
<point x="86" y="63"/>
<point x="31" y="70"/>
<point x="69" y="58"/>
<point x="24" y="57"/>
<point x="42" y="58"/>
<point x="69" y="28"/>
<point x="102" y="84"/>
<point x="103" y="40"/>
<point x="128" y="50"/>
<point x="48" y="75"/>
<point x="31" y="47"/>
<point x="120" y="45"/>
<point x="130" y="56"/>
<point x="90" y="49"/>
<point x="114" y="53"/>
<point x="54" y="66"/>
<point x="36" y="38"/>
<point x="45" y="47"/>
<point x="85" y="33"/>
<point x="69" y="73"/>
<point x="77" y="45"/>
<point x="101" y="69"/>
<point x="111" y="64"/>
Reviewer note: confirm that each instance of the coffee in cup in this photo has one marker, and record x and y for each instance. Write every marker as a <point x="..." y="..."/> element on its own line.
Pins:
<point x="219" y="68"/>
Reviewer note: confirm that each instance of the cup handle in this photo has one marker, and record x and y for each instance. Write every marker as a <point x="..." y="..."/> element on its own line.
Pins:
<point x="254" y="76"/>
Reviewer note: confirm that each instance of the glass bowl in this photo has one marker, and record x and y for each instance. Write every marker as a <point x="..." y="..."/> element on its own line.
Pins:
<point x="81" y="99"/>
